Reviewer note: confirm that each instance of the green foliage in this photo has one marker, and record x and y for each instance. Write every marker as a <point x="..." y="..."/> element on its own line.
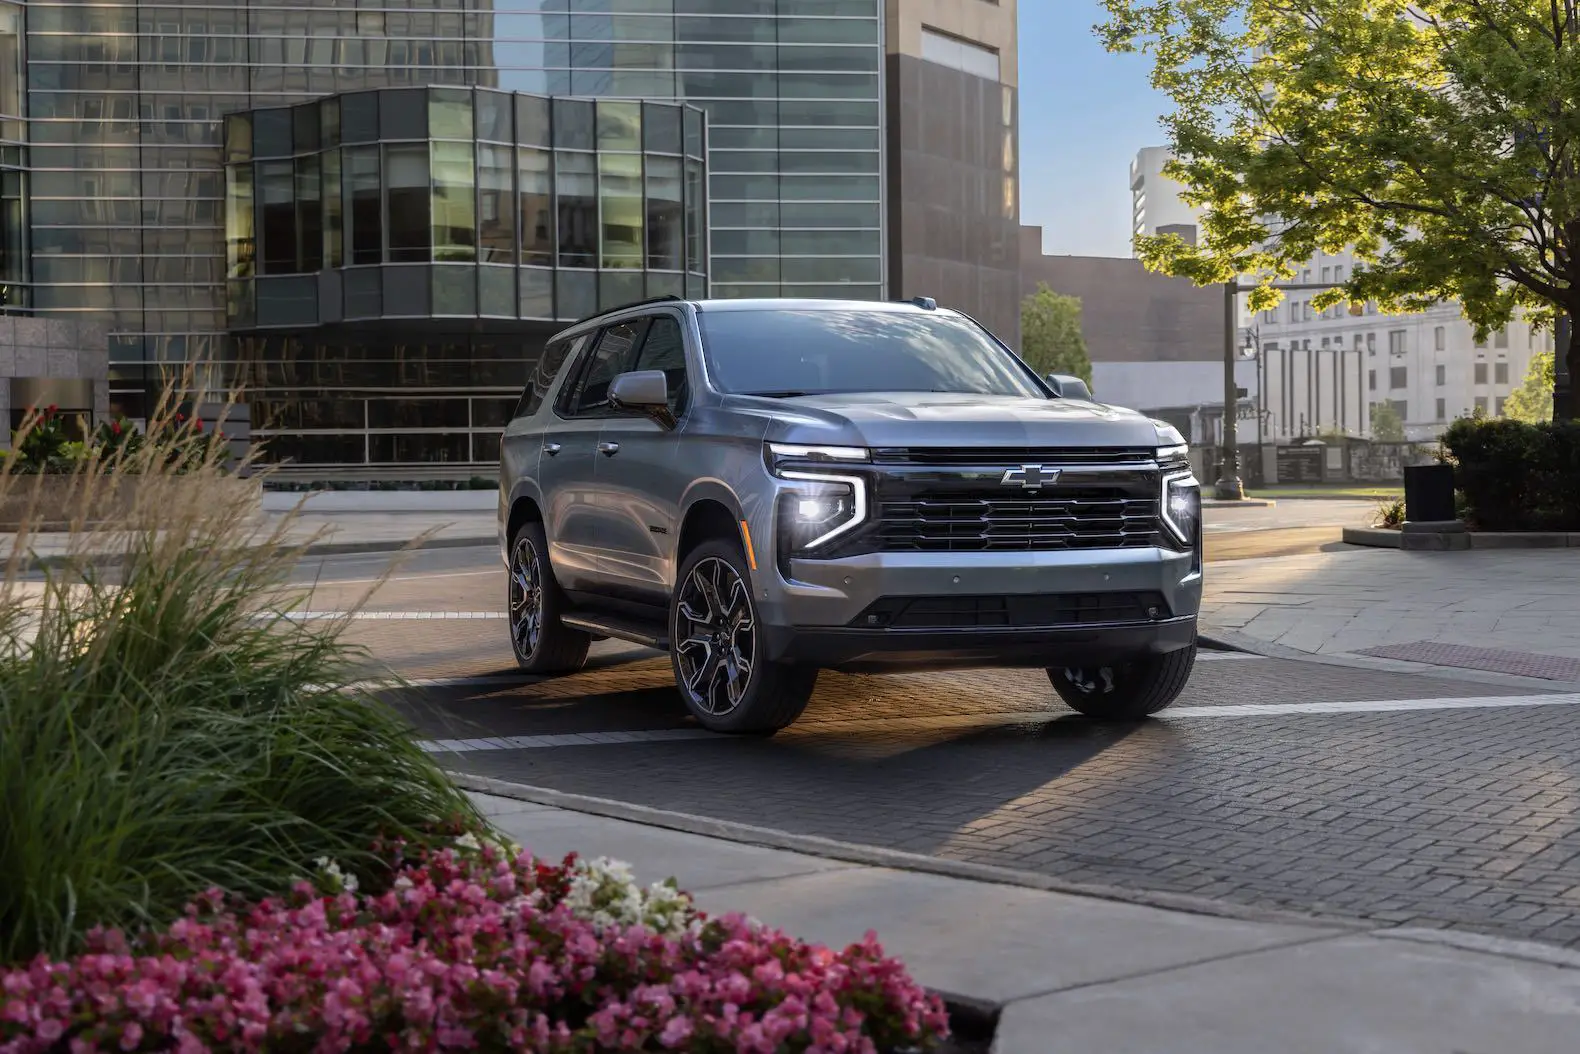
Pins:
<point x="165" y="728"/>
<point x="1386" y="426"/>
<point x="45" y="444"/>
<point x="1532" y="401"/>
<point x="1437" y="138"/>
<point x="1050" y="334"/>
<point x="1390" y="513"/>
<point x="1517" y="476"/>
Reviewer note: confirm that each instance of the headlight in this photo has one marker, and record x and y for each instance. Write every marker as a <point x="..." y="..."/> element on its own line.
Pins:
<point x="1171" y="445"/>
<point x="777" y="454"/>
<point x="1181" y="507"/>
<point x="819" y="508"/>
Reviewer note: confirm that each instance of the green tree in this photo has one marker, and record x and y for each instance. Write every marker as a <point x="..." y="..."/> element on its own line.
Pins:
<point x="1050" y="334"/>
<point x="1386" y="426"/>
<point x="1439" y="139"/>
<point x="1532" y="401"/>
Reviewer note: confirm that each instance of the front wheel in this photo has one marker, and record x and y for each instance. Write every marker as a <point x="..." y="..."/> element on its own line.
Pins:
<point x="717" y="649"/>
<point x="1128" y="690"/>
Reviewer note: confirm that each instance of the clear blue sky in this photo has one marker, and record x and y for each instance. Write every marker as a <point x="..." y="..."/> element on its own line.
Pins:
<point x="1083" y="115"/>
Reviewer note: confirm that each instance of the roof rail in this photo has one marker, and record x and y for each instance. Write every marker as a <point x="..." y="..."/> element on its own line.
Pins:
<point x="926" y="303"/>
<point x="667" y="298"/>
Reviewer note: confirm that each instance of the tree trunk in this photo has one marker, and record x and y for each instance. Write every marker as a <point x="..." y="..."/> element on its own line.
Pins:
<point x="1566" y="366"/>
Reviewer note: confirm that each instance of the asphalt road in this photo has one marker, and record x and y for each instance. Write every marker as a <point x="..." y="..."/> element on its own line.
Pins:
<point x="1393" y="797"/>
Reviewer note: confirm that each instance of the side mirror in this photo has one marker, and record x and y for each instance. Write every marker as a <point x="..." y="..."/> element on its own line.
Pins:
<point x="1067" y="387"/>
<point x="644" y="393"/>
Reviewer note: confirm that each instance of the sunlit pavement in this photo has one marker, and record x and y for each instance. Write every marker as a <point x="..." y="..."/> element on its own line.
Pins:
<point x="1419" y="799"/>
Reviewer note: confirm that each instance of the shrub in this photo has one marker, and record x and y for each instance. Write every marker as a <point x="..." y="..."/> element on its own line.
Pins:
<point x="1517" y="476"/>
<point x="477" y="950"/>
<point x="165" y="727"/>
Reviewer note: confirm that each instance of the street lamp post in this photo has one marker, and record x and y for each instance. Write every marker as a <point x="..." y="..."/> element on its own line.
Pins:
<point x="1229" y="486"/>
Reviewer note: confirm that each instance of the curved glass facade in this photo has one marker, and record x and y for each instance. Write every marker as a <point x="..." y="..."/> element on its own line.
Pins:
<point x="460" y="203"/>
<point x="395" y="258"/>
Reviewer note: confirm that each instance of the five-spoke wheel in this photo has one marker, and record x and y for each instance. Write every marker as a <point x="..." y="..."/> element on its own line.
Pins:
<point x="716" y="648"/>
<point x="541" y="642"/>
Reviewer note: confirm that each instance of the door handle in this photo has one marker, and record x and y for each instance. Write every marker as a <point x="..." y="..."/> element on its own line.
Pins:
<point x="608" y="449"/>
<point x="551" y="449"/>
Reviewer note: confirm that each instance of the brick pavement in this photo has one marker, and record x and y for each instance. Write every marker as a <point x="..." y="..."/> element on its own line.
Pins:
<point x="1347" y="601"/>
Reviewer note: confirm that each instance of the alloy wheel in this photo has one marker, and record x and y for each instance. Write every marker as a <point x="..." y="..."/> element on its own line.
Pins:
<point x="716" y="637"/>
<point x="526" y="597"/>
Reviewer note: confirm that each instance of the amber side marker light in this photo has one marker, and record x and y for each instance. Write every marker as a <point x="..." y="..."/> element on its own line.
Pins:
<point x="751" y="553"/>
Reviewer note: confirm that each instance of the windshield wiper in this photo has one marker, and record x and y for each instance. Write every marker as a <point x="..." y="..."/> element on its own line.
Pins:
<point x="780" y="395"/>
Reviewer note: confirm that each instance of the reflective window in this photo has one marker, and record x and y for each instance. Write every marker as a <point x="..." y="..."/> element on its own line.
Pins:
<point x="620" y="190"/>
<point x="239" y="244"/>
<point x="666" y="232"/>
<point x="454" y="202"/>
<point x="543" y="374"/>
<point x="365" y="211"/>
<point x="449" y="114"/>
<point x="309" y="214"/>
<point x="496" y="203"/>
<point x="494" y="123"/>
<point x="661" y="128"/>
<point x="576" y="186"/>
<point x="277" y="216"/>
<point x="665" y="349"/>
<point x="334" y="203"/>
<point x="576" y="294"/>
<point x="619" y="125"/>
<point x="574" y="125"/>
<point x="612" y="357"/>
<point x="532" y="120"/>
<point x="406" y="177"/>
<point x="537" y="207"/>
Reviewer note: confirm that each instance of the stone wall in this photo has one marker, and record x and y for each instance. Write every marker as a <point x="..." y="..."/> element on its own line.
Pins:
<point x="38" y="351"/>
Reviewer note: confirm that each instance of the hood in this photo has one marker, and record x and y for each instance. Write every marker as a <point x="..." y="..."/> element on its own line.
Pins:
<point x="901" y="419"/>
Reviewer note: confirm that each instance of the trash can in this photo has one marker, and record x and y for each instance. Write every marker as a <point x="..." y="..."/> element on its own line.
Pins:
<point x="1429" y="493"/>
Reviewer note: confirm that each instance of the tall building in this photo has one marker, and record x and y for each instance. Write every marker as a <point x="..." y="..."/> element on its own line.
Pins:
<point x="1155" y="203"/>
<point x="162" y="176"/>
<point x="1325" y="371"/>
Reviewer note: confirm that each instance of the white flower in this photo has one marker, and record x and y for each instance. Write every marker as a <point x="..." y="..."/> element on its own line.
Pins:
<point x="468" y="841"/>
<point x="604" y="893"/>
<point x="336" y="879"/>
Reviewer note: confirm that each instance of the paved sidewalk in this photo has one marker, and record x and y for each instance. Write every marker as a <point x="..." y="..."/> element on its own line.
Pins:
<point x="1081" y="974"/>
<point x="1508" y="612"/>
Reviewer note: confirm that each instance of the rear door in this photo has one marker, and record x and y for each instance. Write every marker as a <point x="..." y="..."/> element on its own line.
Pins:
<point x="567" y="468"/>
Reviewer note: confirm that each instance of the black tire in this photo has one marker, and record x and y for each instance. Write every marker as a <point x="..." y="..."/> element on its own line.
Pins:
<point x="550" y="647"/>
<point x="1128" y="690"/>
<point x="709" y="641"/>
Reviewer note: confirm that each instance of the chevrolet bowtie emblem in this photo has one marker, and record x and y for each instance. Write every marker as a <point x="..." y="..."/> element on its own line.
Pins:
<point x="1030" y="477"/>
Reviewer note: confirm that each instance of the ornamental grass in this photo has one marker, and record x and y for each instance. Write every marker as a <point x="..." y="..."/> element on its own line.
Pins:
<point x="165" y="727"/>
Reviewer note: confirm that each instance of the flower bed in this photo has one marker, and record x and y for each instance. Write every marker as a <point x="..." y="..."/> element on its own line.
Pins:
<point x="476" y="948"/>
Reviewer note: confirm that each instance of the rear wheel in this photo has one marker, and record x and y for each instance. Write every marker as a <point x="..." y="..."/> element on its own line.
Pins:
<point x="716" y="649"/>
<point x="542" y="643"/>
<point x="1128" y="690"/>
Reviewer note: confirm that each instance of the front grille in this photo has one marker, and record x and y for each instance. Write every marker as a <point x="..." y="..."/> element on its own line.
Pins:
<point x="1009" y="457"/>
<point x="1051" y="610"/>
<point x="1015" y="524"/>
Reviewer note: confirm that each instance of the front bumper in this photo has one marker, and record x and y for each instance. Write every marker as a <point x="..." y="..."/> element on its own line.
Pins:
<point x="1004" y="608"/>
<point x="846" y="648"/>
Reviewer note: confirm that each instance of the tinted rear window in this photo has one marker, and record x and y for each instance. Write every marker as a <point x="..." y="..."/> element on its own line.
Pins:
<point x="786" y="352"/>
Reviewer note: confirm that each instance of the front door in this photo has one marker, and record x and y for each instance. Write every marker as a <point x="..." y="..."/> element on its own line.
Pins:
<point x="642" y="478"/>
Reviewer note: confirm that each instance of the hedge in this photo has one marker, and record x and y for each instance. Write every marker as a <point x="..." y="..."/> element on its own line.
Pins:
<point x="1516" y="476"/>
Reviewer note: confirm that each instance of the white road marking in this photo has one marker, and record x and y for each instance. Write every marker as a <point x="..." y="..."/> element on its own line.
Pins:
<point x="980" y="721"/>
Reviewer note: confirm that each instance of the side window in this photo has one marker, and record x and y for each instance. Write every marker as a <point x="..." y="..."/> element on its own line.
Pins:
<point x="665" y="349"/>
<point x="549" y="365"/>
<point x="612" y="357"/>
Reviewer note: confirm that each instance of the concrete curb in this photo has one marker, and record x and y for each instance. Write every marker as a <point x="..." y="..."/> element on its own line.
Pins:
<point x="1243" y="503"/>
<point x="1234" y="640"/>
<point x="1385" y="538"/>
<point x="893" y="859"/>
<point x="42" y="563"/>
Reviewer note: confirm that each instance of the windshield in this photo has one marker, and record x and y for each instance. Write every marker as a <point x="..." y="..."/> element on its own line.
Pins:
<point x="786" y="352"/>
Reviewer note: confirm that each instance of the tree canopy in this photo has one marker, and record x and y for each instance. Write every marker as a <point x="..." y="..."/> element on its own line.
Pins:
<point x="1532" y="401"/>
<point x="1050" y="334"/>
<point x="1386" y="425"/>
<point x="1438" y="140"/>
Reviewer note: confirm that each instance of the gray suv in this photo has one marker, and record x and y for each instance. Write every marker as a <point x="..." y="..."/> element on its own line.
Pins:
<point x="767" y="488"/>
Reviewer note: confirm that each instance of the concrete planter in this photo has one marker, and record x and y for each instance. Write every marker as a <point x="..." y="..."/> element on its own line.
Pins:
<point x="1385" y="538"/>
<point x="53" y="502"/>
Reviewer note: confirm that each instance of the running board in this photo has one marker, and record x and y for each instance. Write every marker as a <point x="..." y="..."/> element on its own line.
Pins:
<point x="621" y="629"/>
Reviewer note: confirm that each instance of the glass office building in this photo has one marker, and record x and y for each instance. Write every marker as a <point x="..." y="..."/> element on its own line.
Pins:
<point x="115" y="170"/>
